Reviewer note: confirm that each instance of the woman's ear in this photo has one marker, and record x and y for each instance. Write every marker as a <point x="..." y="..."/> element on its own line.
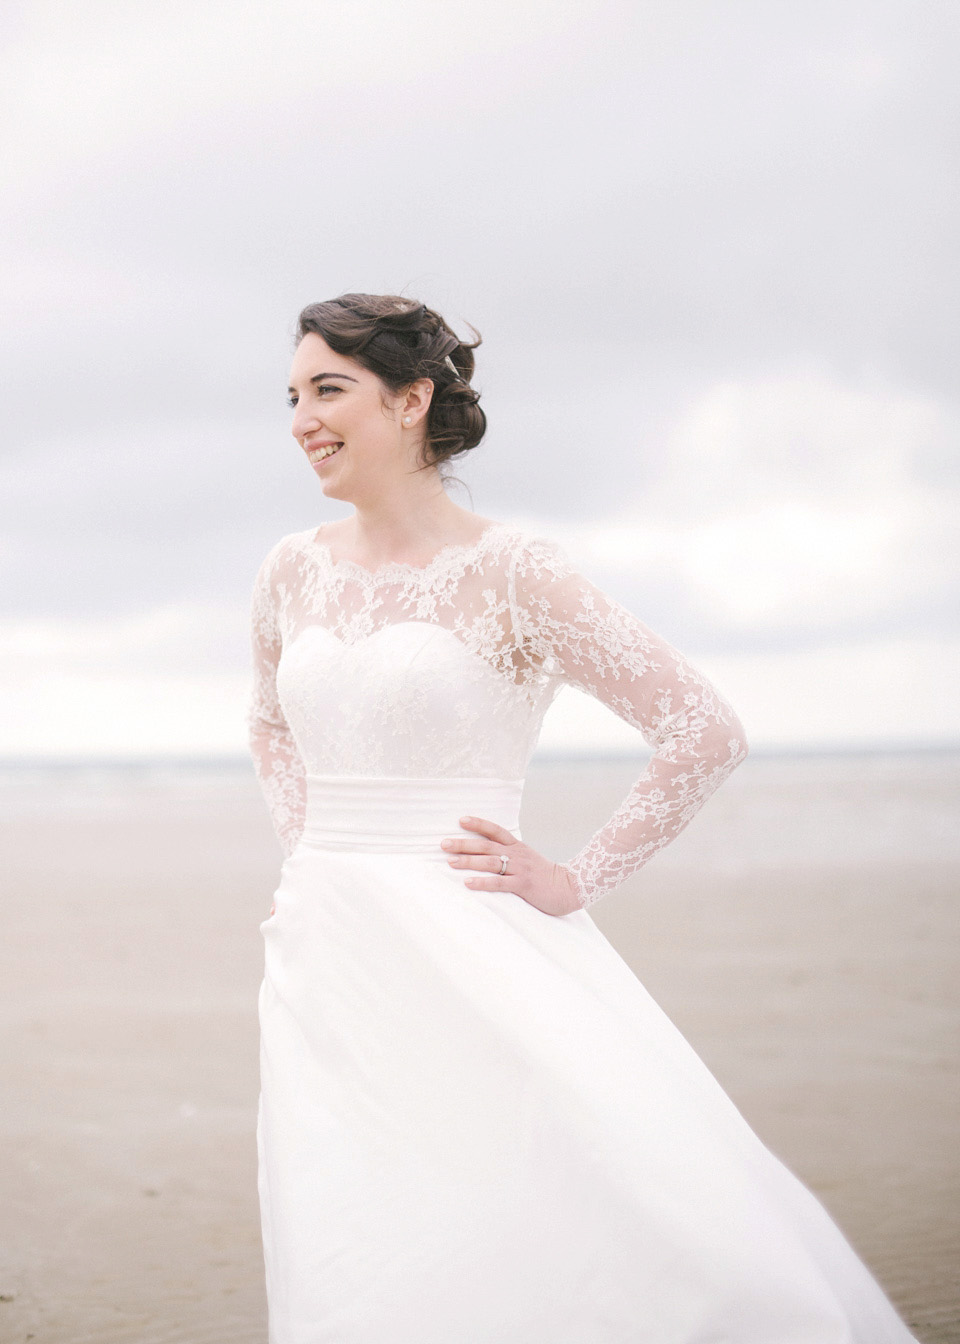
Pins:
<point x="416" y="402"/>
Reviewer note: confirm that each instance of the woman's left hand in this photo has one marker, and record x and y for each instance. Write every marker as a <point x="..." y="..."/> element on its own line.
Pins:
<point x="549" y="887"/>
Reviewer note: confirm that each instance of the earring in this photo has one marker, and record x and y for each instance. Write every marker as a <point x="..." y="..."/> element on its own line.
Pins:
<point x="406" y="419"/>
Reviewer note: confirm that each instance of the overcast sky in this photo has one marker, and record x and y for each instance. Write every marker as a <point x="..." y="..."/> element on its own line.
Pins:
<point x="711" y="250"/>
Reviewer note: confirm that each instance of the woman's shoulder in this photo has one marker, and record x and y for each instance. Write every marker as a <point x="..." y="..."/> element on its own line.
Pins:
<point x="532" y="547"/>
<point x="285" y="551"/>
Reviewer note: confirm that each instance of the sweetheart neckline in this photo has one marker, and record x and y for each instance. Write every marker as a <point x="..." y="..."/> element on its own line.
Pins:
<point x="354" y="644"/>
<point x="387" y="625"/>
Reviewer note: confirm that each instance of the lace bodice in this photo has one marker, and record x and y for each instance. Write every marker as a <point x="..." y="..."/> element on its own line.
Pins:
<point x="447" y="670"/>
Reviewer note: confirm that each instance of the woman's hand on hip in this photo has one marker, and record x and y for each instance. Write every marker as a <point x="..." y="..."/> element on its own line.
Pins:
<point x="548" y="886"/>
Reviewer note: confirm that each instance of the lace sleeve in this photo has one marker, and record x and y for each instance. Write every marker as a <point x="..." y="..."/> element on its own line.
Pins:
<point x="276" y="760"/>
<point x="569" y="627"/>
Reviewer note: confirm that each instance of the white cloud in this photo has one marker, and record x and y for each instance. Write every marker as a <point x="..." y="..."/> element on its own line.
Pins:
<point x="792" y="561"/>
<point x="710" y="258"/>
<point x="893" y="690"/>
<point x="185" y="638"/>
<point x="115" y="715"/>
<point x="161" y="684"/>
<point x="796" y="503"/>
<point x="804" y="435"/>
<point x="164" y="681"/>
<point x="898" y="692"/>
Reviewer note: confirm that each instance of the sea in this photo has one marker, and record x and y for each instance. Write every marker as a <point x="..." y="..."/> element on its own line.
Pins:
<point x="853" y="806"/>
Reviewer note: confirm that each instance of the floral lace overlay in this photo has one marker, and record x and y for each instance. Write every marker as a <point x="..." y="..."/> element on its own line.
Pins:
<point x="448" y="670"/>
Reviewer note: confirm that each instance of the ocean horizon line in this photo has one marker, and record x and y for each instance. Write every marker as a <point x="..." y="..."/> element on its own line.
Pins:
<point x="547" y="756"/>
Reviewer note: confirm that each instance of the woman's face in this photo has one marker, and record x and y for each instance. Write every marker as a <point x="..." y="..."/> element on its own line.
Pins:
<point x="337" y="401"/>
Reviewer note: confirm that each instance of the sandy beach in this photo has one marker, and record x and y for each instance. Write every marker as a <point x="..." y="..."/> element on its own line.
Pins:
<point x="802" y="934"/>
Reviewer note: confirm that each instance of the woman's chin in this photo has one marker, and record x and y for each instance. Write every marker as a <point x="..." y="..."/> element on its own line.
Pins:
<point x="333" y="490"/>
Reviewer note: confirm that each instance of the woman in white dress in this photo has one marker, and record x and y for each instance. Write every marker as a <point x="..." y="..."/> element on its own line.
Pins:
<point x="475" y="1125"/>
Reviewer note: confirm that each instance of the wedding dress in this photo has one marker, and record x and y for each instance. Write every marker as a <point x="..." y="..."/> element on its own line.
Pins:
<point x="475" y="1126"/>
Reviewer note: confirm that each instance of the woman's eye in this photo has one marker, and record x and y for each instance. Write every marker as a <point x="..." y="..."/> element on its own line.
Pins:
<point x="320" y="389"/>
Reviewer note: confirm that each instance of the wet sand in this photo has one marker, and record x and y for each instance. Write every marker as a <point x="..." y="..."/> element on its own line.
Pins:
<point x="802" y="934"/>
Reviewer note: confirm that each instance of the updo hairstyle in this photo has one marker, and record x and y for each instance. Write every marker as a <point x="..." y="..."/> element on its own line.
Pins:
<point x="400" y="341"/>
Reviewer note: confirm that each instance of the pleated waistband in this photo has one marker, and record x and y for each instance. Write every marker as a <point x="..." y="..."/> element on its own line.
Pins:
<point x="403" y="815"/>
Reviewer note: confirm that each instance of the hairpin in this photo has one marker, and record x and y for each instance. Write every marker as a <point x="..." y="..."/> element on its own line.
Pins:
<point x="451" y="366"/>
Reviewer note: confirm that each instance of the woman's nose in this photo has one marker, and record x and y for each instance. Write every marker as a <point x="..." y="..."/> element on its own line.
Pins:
<point x="303" y="423"/>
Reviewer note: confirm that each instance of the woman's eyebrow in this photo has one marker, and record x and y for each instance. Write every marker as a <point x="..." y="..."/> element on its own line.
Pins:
<point x="319" y="377"/>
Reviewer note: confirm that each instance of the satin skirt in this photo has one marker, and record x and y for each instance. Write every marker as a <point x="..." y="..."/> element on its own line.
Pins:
<point x="476" y="1127"/>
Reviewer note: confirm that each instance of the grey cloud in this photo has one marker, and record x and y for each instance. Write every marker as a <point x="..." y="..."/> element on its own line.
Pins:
<point x="631" y="207"/>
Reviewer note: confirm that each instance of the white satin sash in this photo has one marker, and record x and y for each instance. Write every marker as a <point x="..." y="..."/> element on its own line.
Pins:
<point x="403" y="815"/>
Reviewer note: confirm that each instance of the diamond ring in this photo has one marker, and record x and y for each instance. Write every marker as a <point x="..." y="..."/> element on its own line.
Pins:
<point x="503" y="864"/>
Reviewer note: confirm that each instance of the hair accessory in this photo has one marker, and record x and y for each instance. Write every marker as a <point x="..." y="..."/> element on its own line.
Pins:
<point x="452" y="367"/>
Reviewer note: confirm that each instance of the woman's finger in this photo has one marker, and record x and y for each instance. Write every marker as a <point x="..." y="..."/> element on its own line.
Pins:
<point x="486" y="882"/>
<point x="474" y="845"/>
<point x="491" y="829"/>
<point x="487" y="863"/>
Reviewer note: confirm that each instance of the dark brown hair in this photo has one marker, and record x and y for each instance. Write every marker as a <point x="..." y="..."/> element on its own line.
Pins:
<point x="400" y="341"/>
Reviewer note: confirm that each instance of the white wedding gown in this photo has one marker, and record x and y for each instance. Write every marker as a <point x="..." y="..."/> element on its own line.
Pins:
<point x="475" y="1125"/>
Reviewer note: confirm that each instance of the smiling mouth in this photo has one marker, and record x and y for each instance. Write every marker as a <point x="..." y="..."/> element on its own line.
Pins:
<point x="320" y="454"/>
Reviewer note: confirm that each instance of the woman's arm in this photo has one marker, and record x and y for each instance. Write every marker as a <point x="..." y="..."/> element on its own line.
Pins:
<point x="570" y="627"/>
<point x="276" y="760"/>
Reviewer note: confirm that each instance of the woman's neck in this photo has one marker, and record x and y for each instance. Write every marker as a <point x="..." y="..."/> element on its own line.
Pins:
<point x="407" y="531"/>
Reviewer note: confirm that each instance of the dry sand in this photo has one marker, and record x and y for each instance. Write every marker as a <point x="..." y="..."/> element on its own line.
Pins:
<point x="802" y="934"/>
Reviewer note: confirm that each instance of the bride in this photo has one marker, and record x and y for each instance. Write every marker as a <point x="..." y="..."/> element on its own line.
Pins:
<point x="475" y="1125"/>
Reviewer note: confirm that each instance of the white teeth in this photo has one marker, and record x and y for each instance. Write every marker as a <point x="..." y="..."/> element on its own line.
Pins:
<point x="318" y="454"/>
